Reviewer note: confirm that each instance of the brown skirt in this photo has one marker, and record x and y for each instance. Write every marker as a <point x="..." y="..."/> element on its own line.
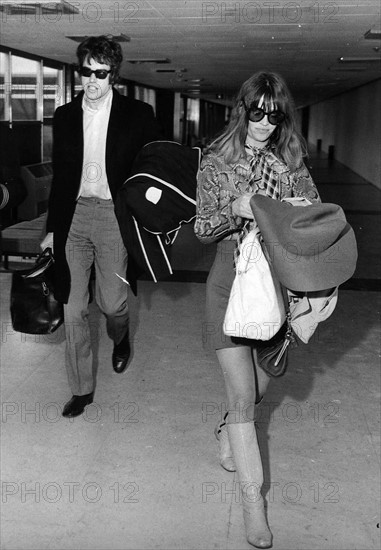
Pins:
<point x="218" y="286"/>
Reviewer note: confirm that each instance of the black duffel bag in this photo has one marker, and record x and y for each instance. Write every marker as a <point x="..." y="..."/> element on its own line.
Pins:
<point x="34" y="310"/>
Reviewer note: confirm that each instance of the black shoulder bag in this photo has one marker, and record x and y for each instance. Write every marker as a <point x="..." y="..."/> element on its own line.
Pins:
<point x="272" y="355"/>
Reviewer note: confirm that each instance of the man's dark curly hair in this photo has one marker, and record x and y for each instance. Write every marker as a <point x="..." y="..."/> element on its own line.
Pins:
<point x="103" y="50"/>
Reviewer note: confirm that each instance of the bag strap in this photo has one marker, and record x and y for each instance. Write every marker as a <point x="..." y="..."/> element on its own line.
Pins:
<point x="46" y="253"/>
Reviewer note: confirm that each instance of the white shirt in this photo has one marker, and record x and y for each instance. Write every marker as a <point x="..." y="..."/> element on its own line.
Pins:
<point x="94" y="181"/>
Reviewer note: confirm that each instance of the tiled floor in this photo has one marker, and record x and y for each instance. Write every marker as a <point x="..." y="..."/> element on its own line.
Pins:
<point x="139" y="470"/>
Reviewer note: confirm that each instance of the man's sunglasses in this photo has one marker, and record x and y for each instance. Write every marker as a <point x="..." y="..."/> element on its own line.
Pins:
<point x="256" y="114"/>
<point x="99" y="73"/>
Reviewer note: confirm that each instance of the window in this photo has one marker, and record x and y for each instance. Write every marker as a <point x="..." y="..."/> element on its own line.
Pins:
<point x="4" y="86"/>
<point x="147" y="95"/>
<point x="30" y="89"/>
<point x="24" y="88"/>
<point x="53" y="97"/>
<point x="52" y="91"/>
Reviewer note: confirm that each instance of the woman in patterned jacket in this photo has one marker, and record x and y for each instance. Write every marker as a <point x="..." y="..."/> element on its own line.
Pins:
<point x="259" y="151"/>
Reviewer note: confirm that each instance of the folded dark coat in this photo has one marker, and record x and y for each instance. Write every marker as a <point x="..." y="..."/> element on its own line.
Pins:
<point x="154" y="202"/>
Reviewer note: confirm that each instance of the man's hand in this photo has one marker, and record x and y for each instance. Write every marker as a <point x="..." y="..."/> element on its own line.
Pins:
<point x="47" y="242"/>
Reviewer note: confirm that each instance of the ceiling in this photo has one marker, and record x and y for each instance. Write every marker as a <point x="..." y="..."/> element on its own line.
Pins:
<point x="211" y="47"/>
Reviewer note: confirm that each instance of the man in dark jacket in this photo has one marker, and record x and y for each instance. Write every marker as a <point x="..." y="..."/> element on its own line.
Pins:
<point x="95" y="140"/>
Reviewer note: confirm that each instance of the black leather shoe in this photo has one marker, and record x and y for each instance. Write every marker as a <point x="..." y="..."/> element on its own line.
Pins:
<point x="121" y="354"/>
<point x="77" y="405"/>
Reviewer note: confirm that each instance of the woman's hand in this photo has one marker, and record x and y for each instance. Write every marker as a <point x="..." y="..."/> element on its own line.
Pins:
<point x="241" y="206"/>
<point x="47" y="242"/>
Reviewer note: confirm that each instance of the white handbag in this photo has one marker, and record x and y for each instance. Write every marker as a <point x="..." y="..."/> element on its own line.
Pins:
<point x="256" y="306"/>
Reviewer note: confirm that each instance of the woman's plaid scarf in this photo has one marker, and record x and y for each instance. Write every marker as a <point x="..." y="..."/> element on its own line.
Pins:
<point x="262" y="164"/>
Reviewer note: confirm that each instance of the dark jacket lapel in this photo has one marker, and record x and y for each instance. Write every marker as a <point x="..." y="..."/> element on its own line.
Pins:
<point x="76" y="127"/>
<point x="113" y="123"/>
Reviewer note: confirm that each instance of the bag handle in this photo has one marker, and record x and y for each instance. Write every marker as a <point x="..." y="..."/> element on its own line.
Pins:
<point x="245" y="248"/>
<point x="47" y="252"/>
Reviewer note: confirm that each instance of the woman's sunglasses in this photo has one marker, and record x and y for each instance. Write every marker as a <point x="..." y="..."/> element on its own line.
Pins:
<point x="256" y="114"/>
<point x="99" y="73"/>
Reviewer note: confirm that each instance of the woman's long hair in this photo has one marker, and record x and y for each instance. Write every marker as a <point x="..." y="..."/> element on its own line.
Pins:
<point x="286" y="141"/>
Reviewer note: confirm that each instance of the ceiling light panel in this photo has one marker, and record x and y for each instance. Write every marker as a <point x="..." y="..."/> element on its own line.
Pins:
<point x="148" y="60"/>
<point x="373" y="34"/>
<point x="26" y="7"/>
<point x="81" y="37"/>
<point x="345" y="59"/>
<point x="347" y="68"/>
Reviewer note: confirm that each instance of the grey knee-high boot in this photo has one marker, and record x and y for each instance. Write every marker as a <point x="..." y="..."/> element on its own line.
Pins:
<point x="221" y="433"/>
<point x="247" y="459"/>
<point x="226" y="456"/>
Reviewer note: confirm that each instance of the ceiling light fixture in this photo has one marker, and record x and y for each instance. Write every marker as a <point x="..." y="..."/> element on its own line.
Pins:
<point x="373" y="34"/>
<point x="359" y="59"/>
<point x="347" y="68"/>
<point x="321" y="84"/>
<point x="26" y="7"/>
<point x="29" y="2"/>
<point x="148" y="60"/>
<point x="116" y="37"/>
